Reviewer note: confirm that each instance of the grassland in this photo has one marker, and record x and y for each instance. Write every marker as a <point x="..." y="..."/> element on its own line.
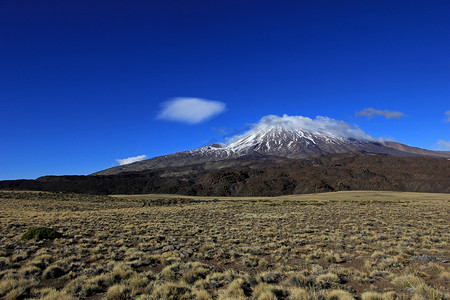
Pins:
<point x="345" y="245"/>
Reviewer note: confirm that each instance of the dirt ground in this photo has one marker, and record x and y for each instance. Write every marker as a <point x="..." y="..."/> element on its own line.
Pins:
<point x="344" y="245"/>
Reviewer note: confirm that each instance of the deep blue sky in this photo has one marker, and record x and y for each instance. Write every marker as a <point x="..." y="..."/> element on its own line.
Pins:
<point x="82" y="82"/>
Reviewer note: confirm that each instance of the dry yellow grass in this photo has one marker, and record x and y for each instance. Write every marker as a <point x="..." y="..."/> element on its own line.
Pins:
<point x="370" y="245"/>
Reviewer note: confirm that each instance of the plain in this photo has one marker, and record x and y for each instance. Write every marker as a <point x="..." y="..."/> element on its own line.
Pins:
<point x="342" y="245"/>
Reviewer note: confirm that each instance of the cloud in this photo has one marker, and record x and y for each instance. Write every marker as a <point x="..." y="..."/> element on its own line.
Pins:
<point x="320" y="124"/>
<point x="371" y="112"/>
<point x="190" y="110"/>
<point x="229" y="133"/>
<point x="129" y="160"/>
<point x="446" y="144"/>
<point x="447" y="113"/>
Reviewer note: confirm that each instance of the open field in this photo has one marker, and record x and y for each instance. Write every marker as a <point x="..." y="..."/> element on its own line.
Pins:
<point x="344" y="245"/>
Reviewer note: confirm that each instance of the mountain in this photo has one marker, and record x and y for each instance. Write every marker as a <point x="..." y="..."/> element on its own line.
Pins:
<point x="278" y="156"/>
<point x="276" y="142"/>
<point x="244" y="177"/>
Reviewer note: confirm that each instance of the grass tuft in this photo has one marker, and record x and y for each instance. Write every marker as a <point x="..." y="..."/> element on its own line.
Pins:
<point x="41" y="233"/>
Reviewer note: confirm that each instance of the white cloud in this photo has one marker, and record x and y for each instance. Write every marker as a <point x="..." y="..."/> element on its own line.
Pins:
<point x="388" y="114"/>
<point x="446" y="144"/>
<point x="190" y="110"/>
<point x="447" y="113"/>
<point x="129" y="160"/>
<point x="320" y="124"/>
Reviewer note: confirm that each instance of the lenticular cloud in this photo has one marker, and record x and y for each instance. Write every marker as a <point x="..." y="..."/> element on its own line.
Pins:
<point x="190" y="110"/>
<point x="320" y="124"/>
<point x="388" y="114"/>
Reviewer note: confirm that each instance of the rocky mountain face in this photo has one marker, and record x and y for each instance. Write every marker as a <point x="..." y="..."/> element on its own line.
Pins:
<point x="236" y="177"/>
<point x="277" y="142"/>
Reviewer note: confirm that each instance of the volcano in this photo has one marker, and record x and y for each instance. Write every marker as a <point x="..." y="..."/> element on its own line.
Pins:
<point x="278" y="156"/>
<point x="279" y="138"/>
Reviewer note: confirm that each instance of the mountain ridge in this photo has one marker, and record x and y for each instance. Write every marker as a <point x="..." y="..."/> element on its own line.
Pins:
<point x="276" y="141"/>
<point x="324" y="173"/>
<point x="276" y="157"/>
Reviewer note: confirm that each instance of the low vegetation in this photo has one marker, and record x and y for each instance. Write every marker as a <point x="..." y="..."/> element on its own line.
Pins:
<point x="344" y="245"/>
<point x="41" y="233"/>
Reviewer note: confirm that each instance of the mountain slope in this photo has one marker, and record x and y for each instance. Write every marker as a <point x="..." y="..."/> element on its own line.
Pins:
<point x="325" y="173"/>
<point x="276" y="142"/>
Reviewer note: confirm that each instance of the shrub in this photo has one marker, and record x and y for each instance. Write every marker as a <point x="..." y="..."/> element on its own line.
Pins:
<point x="262" y="289"/>
<point x="372" y="296"/>
<point x="298" y="294"/>
<point x="172" y="291"/>
<point x="53" y="294"/>
<point x="16" y="288"/>
<point x="408" y="280"/>
<point x="195" y="271"/>
<point x="299" y="279"/>
<point x="202" y="295"/>
<point x="118" y="292"/>
<point x="144" y="297"/>
<point x="268" y="295"/>
<point x="53" y="272"/>
<point x="326" y="280"/>
<point x="4" y="263"/>
<point x="29" y="270"/>
<point x="423" y="291"/>
<point x="138" y="280"/>
<point x="338" y="295"/>
<point x="270" y="277"/>
<point x="41" y="233"/>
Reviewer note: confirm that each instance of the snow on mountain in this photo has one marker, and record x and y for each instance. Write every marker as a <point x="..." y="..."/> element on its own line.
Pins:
<point x="320" y="124"/>
<point x="292" y="137"/>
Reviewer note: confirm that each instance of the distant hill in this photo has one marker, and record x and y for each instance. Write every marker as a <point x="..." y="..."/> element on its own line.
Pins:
<point x="261" y="175"/>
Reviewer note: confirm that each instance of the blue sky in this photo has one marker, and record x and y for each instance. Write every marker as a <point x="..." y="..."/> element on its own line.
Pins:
<point x="84" y="83"/>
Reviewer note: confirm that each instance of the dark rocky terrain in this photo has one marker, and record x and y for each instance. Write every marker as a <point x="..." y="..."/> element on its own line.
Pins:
<point x="263" y="176"/>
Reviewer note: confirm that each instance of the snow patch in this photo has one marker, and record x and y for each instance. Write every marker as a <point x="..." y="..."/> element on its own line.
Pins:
<point x="304" y="127"/>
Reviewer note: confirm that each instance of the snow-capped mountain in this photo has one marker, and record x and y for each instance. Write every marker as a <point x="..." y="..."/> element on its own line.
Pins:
<point x="277" y="156"/>
<point x="281" y="139"/>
